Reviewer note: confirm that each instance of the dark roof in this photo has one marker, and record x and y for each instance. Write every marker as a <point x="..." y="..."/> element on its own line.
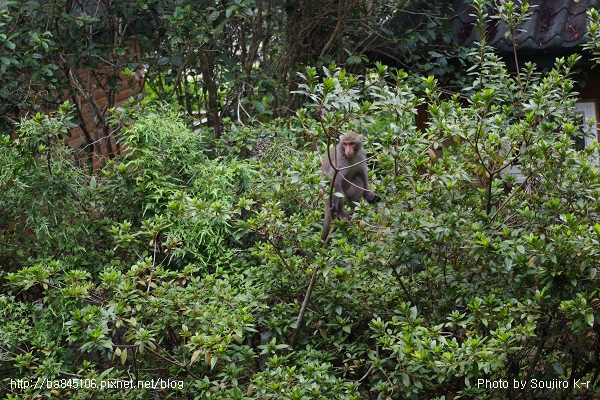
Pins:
<point x="556" y="27"/>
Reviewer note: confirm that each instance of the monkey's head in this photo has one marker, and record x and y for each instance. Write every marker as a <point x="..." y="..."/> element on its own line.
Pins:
<point x="350" y="142"/>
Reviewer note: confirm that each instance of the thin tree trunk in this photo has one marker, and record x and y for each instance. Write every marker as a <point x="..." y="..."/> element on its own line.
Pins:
<point x="213" y="104"/>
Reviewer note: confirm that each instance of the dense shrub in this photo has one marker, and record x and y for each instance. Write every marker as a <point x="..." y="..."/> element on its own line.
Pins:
<point x="208" y="275"/>
<point x="98" y="267"/>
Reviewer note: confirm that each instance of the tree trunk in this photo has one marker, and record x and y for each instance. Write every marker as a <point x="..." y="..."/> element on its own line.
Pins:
<point x="211" y="87"/>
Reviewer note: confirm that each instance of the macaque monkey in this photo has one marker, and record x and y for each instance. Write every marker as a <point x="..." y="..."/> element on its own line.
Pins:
<point x="351" y="180"/>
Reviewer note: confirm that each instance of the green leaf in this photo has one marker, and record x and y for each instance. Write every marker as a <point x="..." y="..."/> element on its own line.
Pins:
<point x="258" y="105"/>
<point x="413" y="313"/>
<point x="217" y="30"/>
<point x="353" y="60"/>
<point x="558" y="368"/>
<point x="123" y="356"/>
<point x="177" y="60"/>
<point x="323" y="333"/>
<point x="405" y="379"/>
<point x="230" y="10"/>
<point x="112" y="81"/>
<point x="8" y="60"/>
<point x="177" y="14"/>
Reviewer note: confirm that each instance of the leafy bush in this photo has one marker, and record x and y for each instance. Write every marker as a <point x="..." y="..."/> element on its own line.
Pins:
<point x="210" y="273"/>
<point x="462" y="275"/>
<point x="93" y="249"/>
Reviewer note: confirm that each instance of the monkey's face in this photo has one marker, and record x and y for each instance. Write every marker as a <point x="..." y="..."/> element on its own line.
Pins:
<point x="349" y="149"/>
<point x="351" y="142"/>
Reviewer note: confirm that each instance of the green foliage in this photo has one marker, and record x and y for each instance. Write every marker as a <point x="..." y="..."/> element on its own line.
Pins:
<point x="192" y="271"/>
<point x="49" y="206"/>
<point x="182" y="189"/>
<point x="95" y="248"/>
<point x="593" y="32"/>
<point x="421" y="32"/>
<point x="83" y="52"/>
<point x="463" y="272"/>
<point x="128" y="325"/>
